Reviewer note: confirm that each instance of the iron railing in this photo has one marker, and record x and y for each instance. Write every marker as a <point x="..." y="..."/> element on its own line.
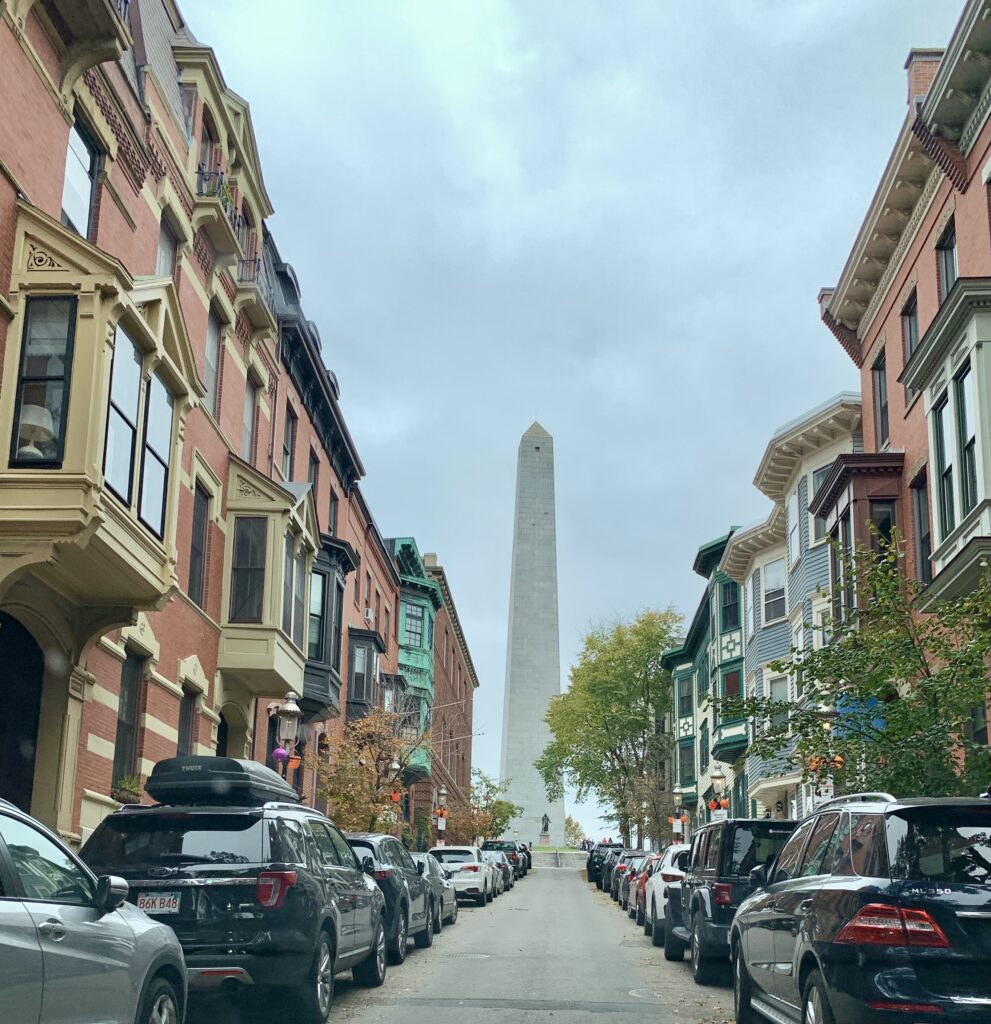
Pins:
<point x="213" y="185"/>
<point x="252" y="271"/>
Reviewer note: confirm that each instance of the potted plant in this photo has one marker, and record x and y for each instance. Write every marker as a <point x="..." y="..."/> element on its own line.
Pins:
<point x="127" y="790"/>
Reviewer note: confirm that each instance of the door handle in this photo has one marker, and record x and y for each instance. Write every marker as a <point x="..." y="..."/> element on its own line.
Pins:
<point x="54" y="930"/>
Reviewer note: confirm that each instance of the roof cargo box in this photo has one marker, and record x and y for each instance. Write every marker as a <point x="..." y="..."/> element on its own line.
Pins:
<point x="217" y="781"/>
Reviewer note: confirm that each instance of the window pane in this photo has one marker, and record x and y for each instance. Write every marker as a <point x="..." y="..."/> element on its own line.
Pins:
<point x="212" y="362"/>
<point x="156" y="456"/>
<point x="819" y="524"/>
<point x="358" y="674"/>
<point x="413" y="631"/>
<point x="40" y="422"/>
<point x="154" y="485"/>
<point x="45" y="871"/>
<point x="197" y="544"/>
<point x="318" y="590"/>
<point x="299" y="599"/>
<point x="287" y="584"/>
<point x="158" y="435"/>
<point x="77" y="189"/>
<point x="248" y="436"/>
<point x="335" y="637"/>
<point x="125" y="381"/>
<point x="167" y="245"/>
<point x="248" y="571"/>
<point x="119" y="457"/>
<point x="187" y="723"/>
<point x="883" y="519"/>
<point x="128" y="708"/>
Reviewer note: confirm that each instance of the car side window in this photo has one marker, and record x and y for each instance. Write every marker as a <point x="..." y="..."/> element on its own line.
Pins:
<point x="867" y="851"/>
<point x="405" y="859"/>
<point x="293" y="841"/>
<point x="699" y="851"/>
<point x="786" y="866"/>
<point x="712" y="850"/>
<point x="344" y="851"/>
<point x="836" y="857"/>
<point x="45" y="871"/>
<point x="325" y="845"/>
<point x="818" y="846"/>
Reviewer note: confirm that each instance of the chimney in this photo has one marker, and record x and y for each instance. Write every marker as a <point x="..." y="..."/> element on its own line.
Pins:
<point x="921" y="66"/>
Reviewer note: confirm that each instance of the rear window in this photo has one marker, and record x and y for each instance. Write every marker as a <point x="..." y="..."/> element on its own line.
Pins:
<point x="757" y="843"/>
<point x="151" y="840"/>
<point x="454" y="856"/>
<point x="499" y="846"/>
<point x="941" y="844"/>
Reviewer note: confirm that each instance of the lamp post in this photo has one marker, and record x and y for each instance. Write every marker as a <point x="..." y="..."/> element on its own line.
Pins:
<point x="441" y="812"/>
<point x="718" y="779"/>
<point x="287" y="716"/>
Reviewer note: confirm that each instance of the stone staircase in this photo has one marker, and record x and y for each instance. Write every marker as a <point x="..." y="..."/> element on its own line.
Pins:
<point x="573" y="860"/>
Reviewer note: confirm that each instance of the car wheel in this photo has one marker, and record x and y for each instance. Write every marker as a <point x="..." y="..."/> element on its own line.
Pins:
<point x="453" y="917"/>
<point x="398" y="952"/>
<point x="815" y="1005"/>
<point x="160" y="1004"/>
<point x="656" y="929"/>
<point x="674" y="948"/>
<point x="371" y="972"/>
<point x="439" y="917"/>
<point x="425" y="939"/>
<point x="642" y="917"/>
<point x="703" y="968"/>
<point x="742" y="989"/>
<point x="489" y="895"/>
<point x="316" y="995"/>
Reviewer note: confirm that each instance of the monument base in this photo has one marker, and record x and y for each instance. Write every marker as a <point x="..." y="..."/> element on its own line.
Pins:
<point x="545" y="839"/>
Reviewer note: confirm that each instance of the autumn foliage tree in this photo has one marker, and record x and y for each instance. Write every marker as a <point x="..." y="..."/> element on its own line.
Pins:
<point x="486" y="814"/>
<point x="362" y="781"/>
<point x="573" y="833"/>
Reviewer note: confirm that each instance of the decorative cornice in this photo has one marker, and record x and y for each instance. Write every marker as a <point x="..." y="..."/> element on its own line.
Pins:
<point x="849" y="465"/>
<point x="845" y="336"/>
<point x="943" y="154"/>
<point x="132" y="152"/>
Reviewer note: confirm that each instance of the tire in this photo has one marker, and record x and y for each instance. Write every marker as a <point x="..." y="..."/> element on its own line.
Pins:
<point x="642" y="917"/>
<point x="438" y="918"/>
<point x="489" y="896"/>
<point x="397" y="949"/>
<point x="424" y="939"/>
<point x="452" y="918"/>
<point x="674" y="948"/>
<point x="744" y="1012"/>
<point x="160" y="1004"/>
<point x="815" y="1004"/>
<point x="371" y="972"/>
<point x="656" y="931"/>
<point x="315" y="996"/>
<point x="703" y="969"/>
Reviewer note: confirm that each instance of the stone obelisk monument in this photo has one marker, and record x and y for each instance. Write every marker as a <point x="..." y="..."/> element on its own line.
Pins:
<point x="533" y="670"/>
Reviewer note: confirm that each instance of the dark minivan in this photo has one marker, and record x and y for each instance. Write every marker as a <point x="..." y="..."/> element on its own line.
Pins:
<point x="717" y="880"/>
<point x="260" y="891"/>
<point x="876" y="908"/>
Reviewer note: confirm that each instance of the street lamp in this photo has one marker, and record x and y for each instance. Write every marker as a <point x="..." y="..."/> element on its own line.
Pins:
<point x="287" y="716"/>
<point x="442" y="796"/>
<point x="717" y="778"/>
<point x="440" y="813"/>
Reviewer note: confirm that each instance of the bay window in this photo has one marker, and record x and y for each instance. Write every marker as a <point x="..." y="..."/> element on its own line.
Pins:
<point x="412" y="625"/>
<point x="335" y="636"/>
<point x="38" y="438"/>
<point x="248" y="568"/>
<point x="294" y="589"/>
<point x="156" y="455"/>
<point x="730" y="606"/>
<point x="944" y="464"/>
<point x="967" y="438"/>
<point x="317" y="617"/>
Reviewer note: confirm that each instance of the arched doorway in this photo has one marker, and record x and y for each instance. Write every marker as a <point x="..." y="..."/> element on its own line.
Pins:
<point x="22" y="667"/>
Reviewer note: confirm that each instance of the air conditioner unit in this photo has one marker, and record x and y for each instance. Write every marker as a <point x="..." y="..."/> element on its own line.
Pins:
<point x="369" y="617"/>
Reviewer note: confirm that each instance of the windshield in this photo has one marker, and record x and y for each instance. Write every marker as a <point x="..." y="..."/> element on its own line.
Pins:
<point x="175" y="840"/>
<point x="454" y="856"/>
<point x="941" y="844"/>
<point x="756" y="843"/>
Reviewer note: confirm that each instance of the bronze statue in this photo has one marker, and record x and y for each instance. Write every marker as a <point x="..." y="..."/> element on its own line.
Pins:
<point x="546" y="822"/>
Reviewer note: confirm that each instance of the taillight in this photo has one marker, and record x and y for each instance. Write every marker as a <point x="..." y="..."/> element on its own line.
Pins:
<point x="513" y="857"/>
<point x="382" y="875"/>
<point x="469" y="867"/>
<point x="880" y="924"/>
<point x="722" y="894"/>
<point x="620" y="868"/>
<point x="272" y="887"/>
<point x="669" y="876"/>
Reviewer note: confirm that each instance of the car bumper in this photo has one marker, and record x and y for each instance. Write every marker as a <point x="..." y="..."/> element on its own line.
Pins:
<point x="211" y="972"/>
<point x="715" y="937"/>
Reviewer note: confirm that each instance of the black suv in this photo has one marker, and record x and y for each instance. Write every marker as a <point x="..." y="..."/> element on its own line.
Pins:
<point x="595" y="858"/>
<point x="874" y="904"/>
<point x="409" y="908"/>
<point x="260" y="890"/>
<point x="716" y="881"/>
<point x="512" y="850"/>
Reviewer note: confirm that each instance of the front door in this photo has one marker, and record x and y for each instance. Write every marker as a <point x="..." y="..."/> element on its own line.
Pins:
<point x="21" y="670"/>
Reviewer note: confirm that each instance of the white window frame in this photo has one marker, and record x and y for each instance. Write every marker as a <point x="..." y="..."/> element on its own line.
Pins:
<point x="749" y="602"/>
<point x="794" y="528"/>
<point x="813" y="543"/>
<point x="765" y="622"/>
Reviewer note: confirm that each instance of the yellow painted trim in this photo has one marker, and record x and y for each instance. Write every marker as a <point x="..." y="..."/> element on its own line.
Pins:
<point x="160" y="728"/>
<point x="99" y="746"/>
<point x="165" y="684"/>
<point x="101" y="695"/>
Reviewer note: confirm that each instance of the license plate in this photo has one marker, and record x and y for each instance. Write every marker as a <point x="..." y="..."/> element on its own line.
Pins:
<point x="159" y="902"/>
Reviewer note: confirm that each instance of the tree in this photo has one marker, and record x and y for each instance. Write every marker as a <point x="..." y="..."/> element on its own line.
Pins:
<point x="573" y="832"/>
<point x="363" y="779"/>
<point x="487" y="812"/>
<point x="606" y="730"/>
<point x="886" y="701"/>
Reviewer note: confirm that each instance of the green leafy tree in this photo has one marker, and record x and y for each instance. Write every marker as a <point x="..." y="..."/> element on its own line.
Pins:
<point x="886" y="701"/>
<point x="487" y="813"/>
<point x="573" y="832"/>
<point x="605" y="736"/>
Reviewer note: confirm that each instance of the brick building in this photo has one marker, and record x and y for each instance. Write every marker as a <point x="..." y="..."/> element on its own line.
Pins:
<point x="182" y="537"/>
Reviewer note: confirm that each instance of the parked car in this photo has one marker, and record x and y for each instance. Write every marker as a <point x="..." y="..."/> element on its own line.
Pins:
<point x="504" y="867"/>
<point x="409" y="906"/>
<point x="499" y="879"/>
<point x="631" y="871"/>
<point x="717" y="880"/>
<point x="445" y="898"/>
<point x="608" y="864"/>
<point x="511" y="849"/>
<point x="619" y="869"/>
<point x="638" y="887"/>
<point x="58" y="918"/>
<point x="875" y="907"/>
<point x="528" y="853"/>
<point x="669" y="869"/>
<point x="470" y="871"/>
<point x="596" y="856"/>
<point x="260" y="891"/>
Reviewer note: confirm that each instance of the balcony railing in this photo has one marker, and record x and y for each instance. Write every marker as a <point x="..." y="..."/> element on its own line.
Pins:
<point x="253" y="272"/>
<point x="213" y="185"/>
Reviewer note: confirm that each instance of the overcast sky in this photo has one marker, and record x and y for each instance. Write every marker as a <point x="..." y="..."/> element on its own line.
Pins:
<point x="612" y="216"/>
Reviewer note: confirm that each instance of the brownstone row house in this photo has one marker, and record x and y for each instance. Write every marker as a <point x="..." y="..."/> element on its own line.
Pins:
<point x="912" y="309"/>
<point x="183" y="540"/>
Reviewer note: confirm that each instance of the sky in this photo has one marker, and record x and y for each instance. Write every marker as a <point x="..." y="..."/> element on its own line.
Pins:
<point x="614" y="217"/>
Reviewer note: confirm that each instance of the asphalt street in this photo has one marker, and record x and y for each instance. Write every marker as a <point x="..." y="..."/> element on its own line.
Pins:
<point x="554" y="950"/>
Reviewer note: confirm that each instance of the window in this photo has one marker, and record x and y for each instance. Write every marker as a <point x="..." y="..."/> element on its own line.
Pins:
<point x="168" y="248"/>
<point x="711" y="861"/>
<point x="946" y="257"/>
<point x="197" y="545"/>
<point x="774" y="590"/>
<point x="777" y="691"/>
<point x="412" y="625"/>
<point x="45" y="871"/>
<point x="122" y="418"/>
<point x="187" y="723"/>
<point x="313" y="474"/>
<point x="684" y="696"/>
<point x="385" y="632"/>
<point x="288" y="443"/>
<point x="732" y="681"/>
<point x="730" y="606"/>
<point x="749" y="597"/>
<point x="335" y="636"/>
<point x="248" y="425"/>
<point x="299" y="599"/>
<point x="786" y="865"/>
<point x="128" y="710"/>
<point x="794" y="538"/>
<point x="910" y="326"/>
<point x="332" y="518"/>
<point x="704" y="746"/>
<point x="686" y="763"/>
<point x="378" y="609"/>
<point x="248" y="568"/>
<point x="944" y="460"/>
<point x="288" y="562"/>
<point x="368" y="590"/>
<point x="841" y="568"/>
<point x="188" y="96"/>
<point x="879" y="378"/>
<point x="211" y="364"/>
<point x="317" y="618"/>
<point x="967" y="437"/>
<point x="883" y="521"/>
<point x="357" y="591"/>
<point x="977" y="727"/>
<point x="156" y="456"/>
<point x="43" y="382"/>
<point x="798" y="647"/>
<point x="819" y="522"/>
<point x="361" y="688"/>
<point x="79" y="187"/>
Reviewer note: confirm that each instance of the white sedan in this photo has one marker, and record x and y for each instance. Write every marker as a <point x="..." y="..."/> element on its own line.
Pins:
<point x="473" y="876"/>
<point x="671" y="869"/>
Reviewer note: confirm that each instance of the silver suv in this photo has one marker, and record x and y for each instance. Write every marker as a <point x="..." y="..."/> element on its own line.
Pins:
<point x="73" y="952"/>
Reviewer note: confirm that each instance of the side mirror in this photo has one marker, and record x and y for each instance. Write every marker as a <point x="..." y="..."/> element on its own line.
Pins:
<point x="758" y="876"/>
<point x="367" y="865"/>
<point x="111" y="892"/>
<point x="420" y="867"/>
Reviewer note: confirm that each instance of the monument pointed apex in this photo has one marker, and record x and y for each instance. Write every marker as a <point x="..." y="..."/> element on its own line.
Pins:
<point x="536" y="430"/>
